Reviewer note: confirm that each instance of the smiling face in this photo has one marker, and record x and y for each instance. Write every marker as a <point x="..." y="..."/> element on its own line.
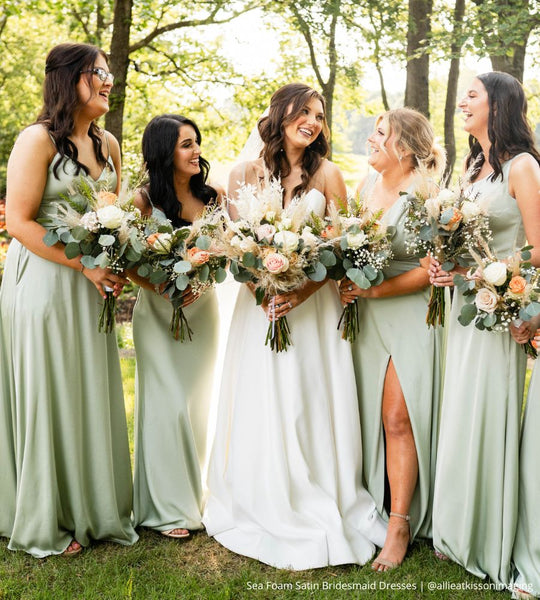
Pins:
<point x="475" y="109"/>
<point x="306" y="127"/>
<point x="382" y="149"/>
<point x="187" y="152"/>
<point x="92" y="92"/>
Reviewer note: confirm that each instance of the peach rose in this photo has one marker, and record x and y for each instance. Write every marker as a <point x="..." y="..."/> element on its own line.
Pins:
<point x="453" y="222"/>
<point x="486" y="300"/>
<point x="276" y="262"/>
<point x="161" y="242"/>
<point x="106" y="197"/>
<point x="328" y="232"/>
<point x="196" y="256"/>
<point x="517" y="284"/>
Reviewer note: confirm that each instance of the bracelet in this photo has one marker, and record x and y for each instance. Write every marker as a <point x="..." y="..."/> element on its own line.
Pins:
<point x="82" y="268"/>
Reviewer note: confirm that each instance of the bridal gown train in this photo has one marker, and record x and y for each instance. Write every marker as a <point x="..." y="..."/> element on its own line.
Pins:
<point x="285" y="474"/>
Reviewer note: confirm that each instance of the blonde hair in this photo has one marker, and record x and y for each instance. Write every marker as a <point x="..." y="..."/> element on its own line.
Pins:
<point x="414" y="133"/>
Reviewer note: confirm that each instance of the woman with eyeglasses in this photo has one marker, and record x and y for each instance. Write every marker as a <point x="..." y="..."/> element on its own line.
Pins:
<point x="65" y="475"/>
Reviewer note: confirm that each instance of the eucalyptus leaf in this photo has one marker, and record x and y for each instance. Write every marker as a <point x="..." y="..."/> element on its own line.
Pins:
<point x="182" y="266"/>
<point x="248" y="260"/>
<point x="72" y="250"/>
<point x="106" y="240"/>
<point x="220" y="275"/>
<point x="370" y="272"/>
<point x="182" y="281"/>
<point x="328" y="258"/>
<point x="158" y="277"/>
<point x="50" y="238"/>
<point x="203" y="242"/>
<point x="357" y="276"/>
<point x="318" y="273"/>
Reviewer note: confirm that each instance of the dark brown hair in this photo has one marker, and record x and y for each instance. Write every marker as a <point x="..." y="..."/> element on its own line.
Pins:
<point x="63" y="68"/>
<point x="286" y="105"/>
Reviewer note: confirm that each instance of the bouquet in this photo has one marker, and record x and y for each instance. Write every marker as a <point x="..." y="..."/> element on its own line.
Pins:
<point x="106" y="229"/>
<point x="177" y="258"/>
<point x="362" y="248"/>
<point x="500" y="293"/>
<point x="447" y="226"/>
<point x="274" y="248"/>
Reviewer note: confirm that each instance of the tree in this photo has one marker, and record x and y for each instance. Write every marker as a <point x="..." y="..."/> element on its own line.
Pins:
<point x="419" y="29"/>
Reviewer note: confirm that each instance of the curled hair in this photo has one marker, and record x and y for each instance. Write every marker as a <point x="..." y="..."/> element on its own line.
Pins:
<point x="414" y="133"/>
<point x="158" y="145"/>
<point x="286" y="106"/>
<point x="508" y="128"/>
<point x="63" y="68"/>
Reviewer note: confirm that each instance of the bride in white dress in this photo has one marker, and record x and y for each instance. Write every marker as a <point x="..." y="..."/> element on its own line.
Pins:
<point x="285" y="477"/>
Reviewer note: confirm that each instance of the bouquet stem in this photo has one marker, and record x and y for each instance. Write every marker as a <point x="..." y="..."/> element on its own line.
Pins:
<point x="351" y="322"/>
<point x="278" y="335"/>
<point x="179" y="325"/>
<point x="107" y="320"/>
<point x="436" y="307"/>
<point x="530" y="350"/>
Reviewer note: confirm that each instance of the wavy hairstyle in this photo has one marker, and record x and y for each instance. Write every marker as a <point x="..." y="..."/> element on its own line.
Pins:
<point x="414" y="133"/>
<point x="286" y="106"/>
<point x="63" y="67"/>
<point x="508" y="128"/>
<point x="158" y="144"/>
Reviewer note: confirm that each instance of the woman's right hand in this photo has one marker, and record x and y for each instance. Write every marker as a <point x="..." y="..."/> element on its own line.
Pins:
<point x="103" y="278"/>
<point x="437" y="276"/>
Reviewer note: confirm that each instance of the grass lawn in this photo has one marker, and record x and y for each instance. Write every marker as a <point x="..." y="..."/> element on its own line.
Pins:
<point x="157" y="568"/>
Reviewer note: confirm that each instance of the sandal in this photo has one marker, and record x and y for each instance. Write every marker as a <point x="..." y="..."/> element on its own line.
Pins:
<point x="176" y="533"/>
<point x="440" y="555"/>
<point x="390" y="564"/>
<point x="72" y="549"/>
<point x="521" y="594"/>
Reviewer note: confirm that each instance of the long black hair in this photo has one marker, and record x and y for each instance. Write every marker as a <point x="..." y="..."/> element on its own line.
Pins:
<point x="286" y="105"/>
<point x="508" y="128"/>
<point x="158" y="143"/>
<point x="63" y="68"/>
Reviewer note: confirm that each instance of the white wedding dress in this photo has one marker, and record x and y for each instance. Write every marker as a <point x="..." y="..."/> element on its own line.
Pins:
<point x="285" y="473"/>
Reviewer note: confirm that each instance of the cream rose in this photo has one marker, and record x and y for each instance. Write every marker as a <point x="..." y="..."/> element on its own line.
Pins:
<point x="355" y="240"/>
<point x="433" y="207"/>
<point x="265" y="232"/>
<point x="276" y="262"/>
<point x="308" y="237"/>
<point x="447" y="197"/>
<point x="160" y="242"/>
<point x="288" y="240"/>
<point x="469" y="210"/>
<point x="110" y="216"/>
<point x="495" y="273"/>
<point x="486" y="300"/>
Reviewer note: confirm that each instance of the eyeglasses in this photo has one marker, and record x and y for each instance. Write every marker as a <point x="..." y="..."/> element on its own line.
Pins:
<point x="101" y="74"/>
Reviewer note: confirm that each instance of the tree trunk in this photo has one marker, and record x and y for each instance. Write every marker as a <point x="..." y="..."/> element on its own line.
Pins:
<point x="451" y="91"/>
<point x="515" y="64"/>
<point x="119" y="63"/>
<point x="417" y="86"/>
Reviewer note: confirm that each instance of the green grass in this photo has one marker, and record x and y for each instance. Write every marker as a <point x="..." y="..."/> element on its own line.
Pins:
<point x="157" y="568"/>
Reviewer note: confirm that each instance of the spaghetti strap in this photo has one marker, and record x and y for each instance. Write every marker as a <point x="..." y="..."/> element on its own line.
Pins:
<point x="106" y="136"/>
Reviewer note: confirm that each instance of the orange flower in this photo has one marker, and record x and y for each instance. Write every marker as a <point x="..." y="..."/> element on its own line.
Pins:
<point x="328" y="232"/>
<point x="517" y="284"/>
<point x="454" y="222"/>
<point x="106" y="197"/>
<point x="151" y="239"/>
<point x="196" y="256"/>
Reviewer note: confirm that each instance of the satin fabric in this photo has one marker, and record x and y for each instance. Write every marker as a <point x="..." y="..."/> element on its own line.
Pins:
<point x="285" y="481"/>
<point x="476" y="484"/>
<point x="65" y="456"/>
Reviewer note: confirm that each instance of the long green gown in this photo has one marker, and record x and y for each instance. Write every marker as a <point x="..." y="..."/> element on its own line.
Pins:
<point x="476" y="484"/>
<point x="65" y="472"/>
<point x="173" y="395"/>
<point x="395" y="328"/>
<point x="526" y="555"/>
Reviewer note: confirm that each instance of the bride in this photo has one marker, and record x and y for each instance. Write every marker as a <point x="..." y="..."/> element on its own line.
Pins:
<point x="284" y="479"/>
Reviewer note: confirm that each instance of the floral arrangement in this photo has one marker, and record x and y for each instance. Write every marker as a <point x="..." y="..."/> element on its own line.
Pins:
<point x="499" y="293"/>
<point x="106" y="229"/>
<point x="362" y="247"/>
<point x="177" y="259"/>
<point x="274" y="248"/>
<point x="448" y="226"/>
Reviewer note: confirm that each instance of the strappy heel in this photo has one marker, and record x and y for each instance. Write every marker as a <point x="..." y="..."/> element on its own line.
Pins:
<point x="390" y="564"/>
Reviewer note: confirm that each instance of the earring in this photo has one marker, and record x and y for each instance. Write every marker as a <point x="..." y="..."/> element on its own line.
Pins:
<point x="400" y="157"/>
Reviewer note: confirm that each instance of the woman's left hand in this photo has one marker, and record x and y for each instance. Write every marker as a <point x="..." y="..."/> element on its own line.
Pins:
<point x="284" y="303"/>
<point x="349" y="291"/>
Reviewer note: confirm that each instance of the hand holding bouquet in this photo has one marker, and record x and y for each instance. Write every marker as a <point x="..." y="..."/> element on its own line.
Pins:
<point x="275" y="249"/>
<point x="176" y="260"/>
<point x="106" y="230"/>
<point x="501" y="293"/>
<point x="448" y="226"/>
<point x="362" y="247"/>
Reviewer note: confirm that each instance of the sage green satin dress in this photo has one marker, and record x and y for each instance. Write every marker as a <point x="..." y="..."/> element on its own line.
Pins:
<point x="395" y="328"/>
<point x="476" y="484"/>
<point x="65" y="467"/>
<point x="526" y="554"/>
<point x="173" y="395"/>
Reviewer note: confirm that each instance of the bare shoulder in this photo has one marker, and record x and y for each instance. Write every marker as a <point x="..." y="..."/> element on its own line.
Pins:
<point x="142" y="201"/>
<point x="245" y="172"/>
<point x="36" y="138"/>
<point x="220" y="190"/>
<point x="523" y="165"/>
<point x="112" y="143"/>
<point x="335" y="189"/>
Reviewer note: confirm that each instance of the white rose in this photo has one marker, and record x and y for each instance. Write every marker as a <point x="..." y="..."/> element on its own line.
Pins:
<point x="486" y="300"/>
<point x="433" y="207"/>
<point x="285" y="223"/>
<point x="355" y="240"/>
<point x="495" y="273"/>
<point x="288" y="240"/>
<point x="270" y="215"/>
<point x="265" y="232"/>
<point x="447" y="196"/>
<point x="110" y="216"/>
<point x="309" y="238"/>
<point x="469" y="210"/>
<point x="90" y="221"/>
<point x="248" y="244"/>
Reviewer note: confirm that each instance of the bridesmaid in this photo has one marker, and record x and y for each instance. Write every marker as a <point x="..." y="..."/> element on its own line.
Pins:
<point x="64" y="463"/>
<point x="476" y="485"/>
<point x="398" y="380"/>
<point x="526" y="555"/>
<point x="174" y="379"/>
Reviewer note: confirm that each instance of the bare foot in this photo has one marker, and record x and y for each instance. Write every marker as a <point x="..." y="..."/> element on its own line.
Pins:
<point x="73" y="549"/>
<point x="176" y="533"/>
<point x="395" y="545"/>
